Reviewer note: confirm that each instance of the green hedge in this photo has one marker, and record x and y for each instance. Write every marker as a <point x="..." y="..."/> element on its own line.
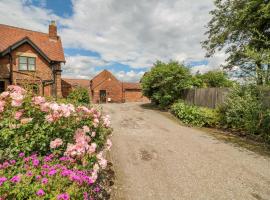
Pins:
<point x="196" y="116"/>
<point x="246" y="111"/>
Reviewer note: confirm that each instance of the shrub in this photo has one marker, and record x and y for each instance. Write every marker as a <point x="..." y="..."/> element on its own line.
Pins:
<point x="79" y="95"/>
<point x="165" y="81"/>
<point x="29" y="123"/>
<point x="196" y="116"/>
<point x="245" y="111"/>
<point x="212" y="79"/>
<point x="50" y="150"/>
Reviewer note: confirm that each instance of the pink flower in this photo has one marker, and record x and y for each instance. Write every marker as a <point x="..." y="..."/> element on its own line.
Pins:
<point x="2" y="104"/>
<point x="26" y="120"/>
<point x="96" y="121"/>
<point x="56" y="143"/>
<point x="54" y="106"/>
<point x="6" y="164"/>
<point x="16" y="103"/>
<point x="92" y="148"/>
<point x="49" y="118"/>
<point x="15" y="179"/>
<point x="40" y="192"/>
<point x="101" y="160"/>
<point x="44" y="107"/>
<point x="85" y="196"/>
<point x="93" y="134"/>
<point x="86" y="129"/>
<point x="12" y="162"/>
<point x="106" y="121"/>
<point x="52" y="172"/>
<point x="4" y="94"/>
<point x="29" y="173"/>
<point x="38" y="100"/>
<point x="16" y="88"/>
<point x="64" y="196"/>
<point x="21" y="154"/>
<point x="44" y="181"/>
<point x="35" y="162"/>
<point x="18" y="114"/>
<point x="97" y="189"/>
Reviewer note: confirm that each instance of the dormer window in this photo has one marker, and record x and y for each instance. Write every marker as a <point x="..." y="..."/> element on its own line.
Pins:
<point x="27" y="63"/>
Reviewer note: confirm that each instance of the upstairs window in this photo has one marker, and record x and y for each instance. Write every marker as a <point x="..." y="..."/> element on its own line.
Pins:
<point x="27" y="63"/>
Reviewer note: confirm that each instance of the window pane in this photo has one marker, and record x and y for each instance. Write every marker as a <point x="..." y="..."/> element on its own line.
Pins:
<point x="22" y="66"/>
<point x="31" y="61"/>
<point x="22" y="60"/>
<point x="31" y="67"/>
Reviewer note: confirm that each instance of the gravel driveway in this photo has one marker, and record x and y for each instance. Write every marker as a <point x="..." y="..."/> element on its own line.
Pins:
<point x="156" y="158"/>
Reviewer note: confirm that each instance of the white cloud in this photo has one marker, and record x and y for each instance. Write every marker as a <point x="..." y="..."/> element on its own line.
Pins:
<point x="135" y="33"/>
<point x="83" y="67"/>
<point x="130" y="76"/>
<point x="139" y="32"/>
<point x="16" y="13"/>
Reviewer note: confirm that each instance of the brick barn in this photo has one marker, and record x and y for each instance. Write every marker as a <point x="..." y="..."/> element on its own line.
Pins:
<point x="105" y="87"/>
<point x="70" y="84"/>
<point x="30" y="58"/>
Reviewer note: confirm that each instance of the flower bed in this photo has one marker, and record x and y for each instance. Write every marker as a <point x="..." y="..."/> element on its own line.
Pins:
<point x="50" y="150"/>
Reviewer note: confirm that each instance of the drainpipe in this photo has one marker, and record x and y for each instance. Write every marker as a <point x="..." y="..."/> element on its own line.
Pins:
<point x="11" y="66"/>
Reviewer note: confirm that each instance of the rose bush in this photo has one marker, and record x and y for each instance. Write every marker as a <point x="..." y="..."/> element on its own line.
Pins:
<point x="30" y="123"/>
<point x="50" y="150"/>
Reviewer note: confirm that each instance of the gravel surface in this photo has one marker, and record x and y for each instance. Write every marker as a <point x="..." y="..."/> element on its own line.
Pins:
<point x="156" y="158"/>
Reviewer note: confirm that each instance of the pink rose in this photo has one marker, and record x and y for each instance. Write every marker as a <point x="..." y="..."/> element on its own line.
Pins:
<point x="49" y="118"/>
<point x="16" y="103"/>
<point x="86" y="129"/>
<point x="18" y="114"/>
<point x="4" y="94"/>
<point x="38" y="100"/>
<point x="92" y="148"/>
<point x="56" y="143"/>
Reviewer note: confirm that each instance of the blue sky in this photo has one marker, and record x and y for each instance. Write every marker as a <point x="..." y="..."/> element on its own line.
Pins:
<point x="123" y="36"/>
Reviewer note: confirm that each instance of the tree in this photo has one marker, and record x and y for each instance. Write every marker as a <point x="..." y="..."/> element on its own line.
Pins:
<point x="242" y="28"/>
<point x="79" y="95"/>
<point x="213" y="79"/>
<point x="164" y="82"/>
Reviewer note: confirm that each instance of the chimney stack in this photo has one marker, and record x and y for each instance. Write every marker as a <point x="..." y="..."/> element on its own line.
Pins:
<point x="53" y="30"/>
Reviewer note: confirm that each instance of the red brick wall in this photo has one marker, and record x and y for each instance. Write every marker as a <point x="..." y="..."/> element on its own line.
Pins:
<point x="113" y="90"/>
<point x="106" y="81"/>
<point x="135" y="96"/>
<point x="43" y="70"/>
<point x="66" y="88"/>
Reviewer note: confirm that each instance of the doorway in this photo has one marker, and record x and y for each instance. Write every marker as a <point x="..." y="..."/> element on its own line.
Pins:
<point x="102" y="96"/>
<point x="2" y="86"/>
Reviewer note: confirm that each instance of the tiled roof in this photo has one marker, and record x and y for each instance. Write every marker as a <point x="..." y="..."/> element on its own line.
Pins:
<point x="77" y="82"/>
<point x="102" y="76"/>
<point x="53" y="49"/>
<point x="132" y="86"/>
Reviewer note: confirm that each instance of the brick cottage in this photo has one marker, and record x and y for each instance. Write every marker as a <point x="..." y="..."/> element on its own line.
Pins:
<point x="32" y="59"/>
<point x="105" y="87"/>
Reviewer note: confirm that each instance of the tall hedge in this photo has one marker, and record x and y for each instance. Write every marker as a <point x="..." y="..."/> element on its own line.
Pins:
<point x="165" y="81"/>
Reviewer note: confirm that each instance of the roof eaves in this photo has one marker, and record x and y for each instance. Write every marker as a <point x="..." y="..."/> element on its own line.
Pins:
<point x="22" y="41"/>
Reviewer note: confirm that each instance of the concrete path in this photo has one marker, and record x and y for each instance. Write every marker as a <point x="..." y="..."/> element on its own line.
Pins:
<point x="156" y="158"/>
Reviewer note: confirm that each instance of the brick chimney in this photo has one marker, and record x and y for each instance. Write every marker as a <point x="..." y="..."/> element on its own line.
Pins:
<point x="53" y="30"/>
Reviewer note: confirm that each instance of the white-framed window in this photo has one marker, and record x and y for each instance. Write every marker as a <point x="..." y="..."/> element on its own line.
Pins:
<point x="27" y="63"/>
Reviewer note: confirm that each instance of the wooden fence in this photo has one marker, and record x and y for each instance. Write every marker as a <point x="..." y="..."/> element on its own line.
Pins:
<point x="206" y="97"/>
